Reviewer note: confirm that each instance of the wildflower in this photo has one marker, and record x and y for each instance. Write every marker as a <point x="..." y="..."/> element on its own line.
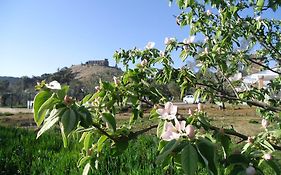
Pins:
<point x="208" y="12"/>
<point x="264" y="123"/>
<point x="53" y="85"/>
<point x="189" y="40"/>
<point x="169" y="112"/>
<point x="168" y="41"/>
<point x="150" y="45"/>
<point x="267" y="156"/>
<point x="250" y="170"/>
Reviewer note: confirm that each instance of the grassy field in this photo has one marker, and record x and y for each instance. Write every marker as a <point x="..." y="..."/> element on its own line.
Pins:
<point x="21" y="153"/>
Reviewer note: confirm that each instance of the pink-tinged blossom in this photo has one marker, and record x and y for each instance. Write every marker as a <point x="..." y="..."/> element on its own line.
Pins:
<point x="190" y="131"/>
<point x="189" y="40"/>
<point x="264" y="123"/>
<point x="199" y="106"/>
<point x="170" y="132"/>
<point x="53" y="85"/>
<point x="190" y="112"/>
<point x="162" y="54"/>
<point x="250" y="170"/>
<point x="180" y="125"/>
<point x="97" y="88"/>
<point x="150" y="45"/>
<point x="267" y="156"/>
<point x="169" y="112"/>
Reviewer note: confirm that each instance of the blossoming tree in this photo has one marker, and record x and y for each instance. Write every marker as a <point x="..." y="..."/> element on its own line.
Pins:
<point x="217" y="29"/>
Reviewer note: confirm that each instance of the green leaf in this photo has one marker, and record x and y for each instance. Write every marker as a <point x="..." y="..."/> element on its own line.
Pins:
<point x="189" y="159"/>
<point x="100" y="142"/>
<point x="64" y="139"/>
<point x="63" y="92"/>
<point x="39" y="99"/>
<point x="208" y="151"/>
<point x="85" y="117"/>
<point x="83" y="160"/>
<point x="48" y="104"/>
<point x="160" y="127"/>
<point x="109" y="118"/>
<point x="50" y="121"/>
<point x="88" y="141"/>
<point x="167" y="150"/>
<point x="69" y="120"/>
<point x="87" y="98"/>
<point x="260" y="4"/>
<point x="275" y="165"/>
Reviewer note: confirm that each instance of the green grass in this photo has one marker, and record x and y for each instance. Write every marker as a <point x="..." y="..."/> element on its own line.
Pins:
<point x="21" y="153"/>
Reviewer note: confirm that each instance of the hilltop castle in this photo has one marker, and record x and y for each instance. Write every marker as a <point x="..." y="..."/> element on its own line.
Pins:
<point x="98" y="62"/>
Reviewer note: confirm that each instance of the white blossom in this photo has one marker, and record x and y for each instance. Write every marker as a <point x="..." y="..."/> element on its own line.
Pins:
<point x="209" y="12"/>
<point x="168" y="41"/>
<point x="264" y="123"/>
<point x="169" y="112"/>
<point x="53" y="85"/>
<point x="189" y="40"/>
<point x="150" y="45"/>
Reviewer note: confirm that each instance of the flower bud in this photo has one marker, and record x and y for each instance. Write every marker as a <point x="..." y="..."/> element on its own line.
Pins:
<point x="168" y="41"/>
<point x="199" y="107"/>
<point x="97" y="88"/>
<point x="264" y="123"/>
<point x="162" y="54"/>
<point x="267" y="156"/>
<point x="250" y="170"/>
<point x="190" y="131"/>
<point x="250" y="140"/>
<point x="116" y="81"/>
<point x="190" y="111"/>
<point x="67" y="100"/>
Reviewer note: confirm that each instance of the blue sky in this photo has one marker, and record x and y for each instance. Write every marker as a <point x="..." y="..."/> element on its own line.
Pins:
<point x="39" y="36"/>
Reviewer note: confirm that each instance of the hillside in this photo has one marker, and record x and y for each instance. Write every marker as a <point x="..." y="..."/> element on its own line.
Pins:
<point x="92" y="73"/>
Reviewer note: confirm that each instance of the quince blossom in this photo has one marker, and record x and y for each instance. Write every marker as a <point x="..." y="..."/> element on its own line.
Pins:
<point x="172" y="131"/>
<point x="53" y="85"/>
<point x="169" y="112"/>
<point x="189" y="40"/>
<point x="150" y="45"/>
<point x="168" y="41"/>
<point x="264" y="123"/>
